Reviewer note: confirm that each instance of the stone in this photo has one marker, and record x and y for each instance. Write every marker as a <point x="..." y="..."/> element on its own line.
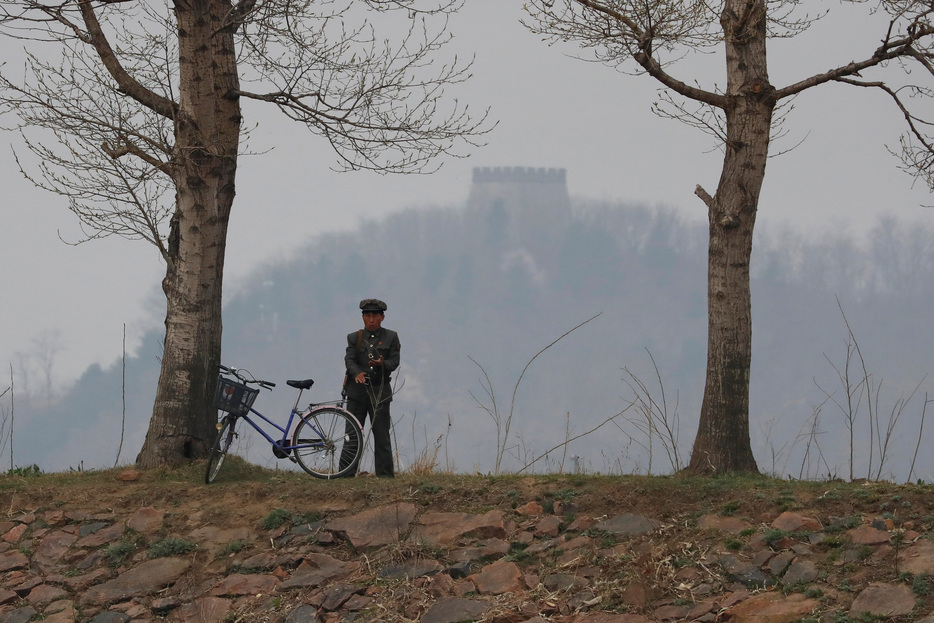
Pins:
<point x="454" y="610"/>
<point x="671" y="612"/>
<point x="14" y="534"/>
<point x="801" y="571"/>
<point x="336" y="596"/>
<point x="303" y="614"/>
<point x="129" y="475"/>
<point x="50" y="551"/>
<point x="498" y="578"/>
<point x="491" y="548"/>
<point x="317" y="569"/>
<point x="881" y="599"/>
<point x="772" y="607"/>
<point x="108" y="616"/>
<point x="19" y="615"/>
<point x="212" y="539"/>
<point x="107" y="534"/>
<point x="867" y="535"/>
<point x="411" y="569"/>
<point x="919" y="558"/>
<point x="747" y="574"/>
<point x="630" y="525"/>
<point x="532" y="509"/>
<point x="245" y="584"/>
<point x="204" y="610"/>
<point x="796" y="522"/>
<point x="445" y="528"/>
<point x="13" y="560"/>
<point x="609" y="617"/>
<point x="144" y="579"/>
<point x="44" y="594"/>
<point x="561" y="581"/>
<point x="780" y="562"/>
<point x="146" y="520"/>
<point x="375" y="527"/>
<point x="548" y="526"/>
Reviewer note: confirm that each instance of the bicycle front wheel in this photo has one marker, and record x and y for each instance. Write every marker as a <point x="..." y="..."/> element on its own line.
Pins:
<point x="327" y="443"/>
<point x="225" y="437"/>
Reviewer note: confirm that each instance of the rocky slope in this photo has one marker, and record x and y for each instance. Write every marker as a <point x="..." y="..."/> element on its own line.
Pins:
<point x="118" y="547"/>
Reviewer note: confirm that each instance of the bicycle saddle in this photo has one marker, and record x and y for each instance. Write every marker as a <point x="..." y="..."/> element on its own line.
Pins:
<point x="306" y="384"/>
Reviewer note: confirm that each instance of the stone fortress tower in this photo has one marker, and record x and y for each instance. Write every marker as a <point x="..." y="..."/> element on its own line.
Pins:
<point x="520" y="190"/>
<point x="515" y="203"/>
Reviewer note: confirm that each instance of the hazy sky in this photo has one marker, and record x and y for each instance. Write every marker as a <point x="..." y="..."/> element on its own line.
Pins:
<point x="553" y="111"/>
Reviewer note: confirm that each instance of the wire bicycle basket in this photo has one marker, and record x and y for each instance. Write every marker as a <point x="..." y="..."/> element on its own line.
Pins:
<point x="235" y="398"/>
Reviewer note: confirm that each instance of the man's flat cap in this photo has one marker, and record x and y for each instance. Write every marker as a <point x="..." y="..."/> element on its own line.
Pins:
<point x="372" y="305"/>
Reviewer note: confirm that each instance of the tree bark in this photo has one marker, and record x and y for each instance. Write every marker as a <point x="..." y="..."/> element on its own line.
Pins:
<point x="207" y="131"/>
<point x="722" y="444"/>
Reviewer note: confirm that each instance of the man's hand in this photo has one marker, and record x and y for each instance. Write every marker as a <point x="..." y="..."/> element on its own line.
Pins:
<point x="376" y="362"/>
<point x="360" y="378"/>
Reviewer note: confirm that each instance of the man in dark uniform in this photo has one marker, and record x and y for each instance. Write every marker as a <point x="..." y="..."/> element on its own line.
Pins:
<point x="372" y="354"/>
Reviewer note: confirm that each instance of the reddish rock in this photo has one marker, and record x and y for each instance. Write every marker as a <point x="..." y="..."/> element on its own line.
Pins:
<point x="14" y="534"/>
<point x="44" y="594"/>
<point x="54" y="517"/>
<point x="144" y="579"/>
<point x="146" y="520"/>
<point x="548" y="526"/>
<point x="919" y="558"/>
<point x="772" y="607"/>
<point x="375" y="527"/>
<point x="454" y="610"/>
<point x="13" y="560"/>
<point x="867" y="535"/>
<point x="81" y="582"/>
<point x="498" y="578"/>
<point x="629" y="525"/>
<point x="446" y="528"/>
<point x="102" y="536"/>
<point x="203" y="610"/>
<point x="886" y="600"/>
<point x="609" y="617"/>
<point x="581" y="523"/>
<point x="212" y="539"/>
<point x="245" y="584"/>
<point x="53" y="547"/>
<point x="318" y="569"/>
<point x="794" y="522"/>
<point x="489" y="549"/>
<point x="60" y="612"/>
<point x="532" y="509"/>
<point x="129" y="475"/>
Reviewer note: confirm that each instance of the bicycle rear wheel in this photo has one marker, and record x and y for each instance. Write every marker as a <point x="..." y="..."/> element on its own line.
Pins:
<point x="225" y="437"/>
<point x="328" y="443"/>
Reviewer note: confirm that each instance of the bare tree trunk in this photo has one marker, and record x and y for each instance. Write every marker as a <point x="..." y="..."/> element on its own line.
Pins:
<point x="722" y="444"/>
<point x="207" y="133"/>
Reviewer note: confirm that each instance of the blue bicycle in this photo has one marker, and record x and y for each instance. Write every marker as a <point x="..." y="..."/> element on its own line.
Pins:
<point x="326" y="441"/>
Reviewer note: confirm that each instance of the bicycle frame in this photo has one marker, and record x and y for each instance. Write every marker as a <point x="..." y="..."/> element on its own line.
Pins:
<point x="285" y="443"/>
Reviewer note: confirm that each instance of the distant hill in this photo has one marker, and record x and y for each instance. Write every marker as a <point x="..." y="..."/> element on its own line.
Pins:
<point x="477" y="291"/>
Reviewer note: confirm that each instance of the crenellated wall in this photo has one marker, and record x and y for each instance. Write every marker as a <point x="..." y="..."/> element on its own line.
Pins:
<point x="519" y="175"/>
<point x="503" y="196"/>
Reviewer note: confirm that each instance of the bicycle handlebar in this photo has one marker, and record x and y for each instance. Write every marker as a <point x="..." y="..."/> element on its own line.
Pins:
<point x="239" y="373"/>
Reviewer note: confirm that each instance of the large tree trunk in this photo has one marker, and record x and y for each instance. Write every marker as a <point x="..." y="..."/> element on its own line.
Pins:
<point x="207" y="134"/>
<point x="722" y="444"/>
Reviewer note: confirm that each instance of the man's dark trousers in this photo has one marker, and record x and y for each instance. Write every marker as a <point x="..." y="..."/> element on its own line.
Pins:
<point x="380" y="425"/>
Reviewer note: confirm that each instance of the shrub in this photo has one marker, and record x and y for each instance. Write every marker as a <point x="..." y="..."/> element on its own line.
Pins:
<point x="170" y="547"/>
